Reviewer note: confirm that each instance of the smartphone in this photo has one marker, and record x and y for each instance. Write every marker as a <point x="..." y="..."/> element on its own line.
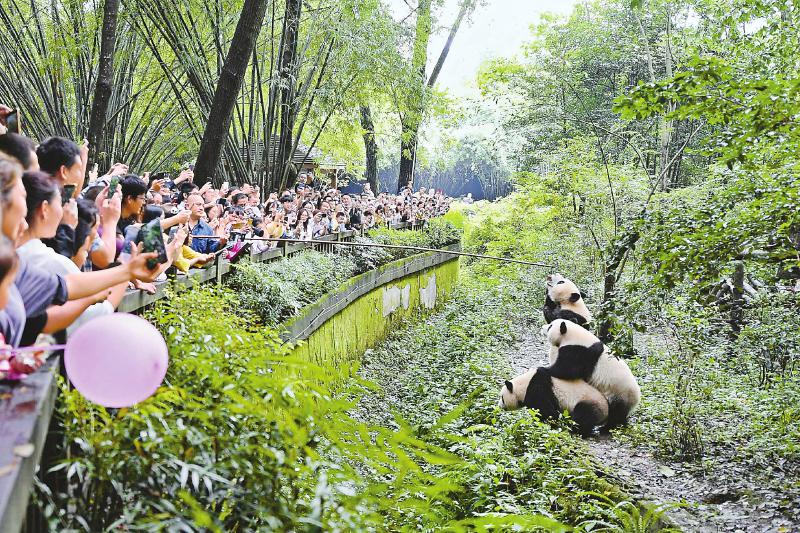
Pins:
<point x="225" y="185"/>
<point x="13" y="122"/>
<point x="152" y="238"/>
<point x="112" y="187"/>
<point x="67" y="192"/>
<point x="131" y="237"/>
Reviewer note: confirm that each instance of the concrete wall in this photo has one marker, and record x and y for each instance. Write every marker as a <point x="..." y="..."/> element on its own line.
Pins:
<point x="337" y="329"/>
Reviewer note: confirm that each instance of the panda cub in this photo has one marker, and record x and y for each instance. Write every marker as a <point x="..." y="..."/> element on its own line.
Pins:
<point x="537" y="389"/>
<point x="563" y="299"/>
<point x="576" y="353"/>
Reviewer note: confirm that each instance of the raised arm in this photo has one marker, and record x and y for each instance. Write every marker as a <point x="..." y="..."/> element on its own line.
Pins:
<point x="109" y="216"/>
<point x="88" y="283"/>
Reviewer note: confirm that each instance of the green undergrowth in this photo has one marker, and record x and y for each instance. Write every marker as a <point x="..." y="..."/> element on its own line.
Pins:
<point x="441" y="379"/>
<point x="722" y="407"/>
<point x="277" y="290"/>
<point x="228" y="444"/>
<point x="711" y="405"/>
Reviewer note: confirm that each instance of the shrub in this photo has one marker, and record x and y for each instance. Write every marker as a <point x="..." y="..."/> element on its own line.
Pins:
<point x="365" y="257"/>
<point x="770" y="338"/>
<point x="441" y="232"/>
<point x="276" y="291"/>
<point x="401" y="238"/>
<point x="229" y="444"/>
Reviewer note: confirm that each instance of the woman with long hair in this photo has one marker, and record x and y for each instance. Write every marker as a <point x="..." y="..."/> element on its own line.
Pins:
<point x="44" y="210"/>
<point x="36" y="291"/>
<point x="304" y="227"/>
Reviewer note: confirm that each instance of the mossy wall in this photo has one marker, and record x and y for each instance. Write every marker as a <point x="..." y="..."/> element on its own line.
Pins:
<point x="346" y="335"/>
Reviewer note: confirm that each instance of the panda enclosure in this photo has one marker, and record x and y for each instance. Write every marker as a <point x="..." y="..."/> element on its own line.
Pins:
<point x="657" y="164"/>
<point x="651" y="149"/>
<point x="711" y="446"/>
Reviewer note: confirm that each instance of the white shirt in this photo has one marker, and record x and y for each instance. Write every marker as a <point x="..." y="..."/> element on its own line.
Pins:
<point x="35" y="252"/>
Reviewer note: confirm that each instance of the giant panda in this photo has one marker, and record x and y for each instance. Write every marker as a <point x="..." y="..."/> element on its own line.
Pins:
<point x="576" y="353"/>
<point x="563" y="299"/>
<point x="537" y="389"/>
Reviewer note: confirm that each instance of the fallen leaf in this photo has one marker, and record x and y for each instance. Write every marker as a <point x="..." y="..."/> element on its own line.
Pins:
<point x="666" y="471"/>
<point x="24" y="450"/>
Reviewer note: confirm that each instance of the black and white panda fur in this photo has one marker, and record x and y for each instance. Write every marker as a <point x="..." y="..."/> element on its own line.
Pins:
<point x="563" y="299"/>
<point x="576" y="353"/>
<point x="536" y="389"/>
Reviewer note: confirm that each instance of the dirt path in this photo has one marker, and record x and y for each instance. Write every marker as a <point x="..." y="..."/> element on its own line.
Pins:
<point x="710" y="502"/>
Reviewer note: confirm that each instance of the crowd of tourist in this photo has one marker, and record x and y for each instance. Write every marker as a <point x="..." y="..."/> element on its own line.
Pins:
<point x="71" y="243"/>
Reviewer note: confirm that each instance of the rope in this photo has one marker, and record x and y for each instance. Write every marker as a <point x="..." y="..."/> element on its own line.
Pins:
<point x="392" y="246"/>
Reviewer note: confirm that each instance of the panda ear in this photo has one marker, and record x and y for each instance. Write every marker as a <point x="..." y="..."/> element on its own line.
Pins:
<point x="564" y="328"/>
<point x="574" y="297"/>
<point x="510" y="386"/>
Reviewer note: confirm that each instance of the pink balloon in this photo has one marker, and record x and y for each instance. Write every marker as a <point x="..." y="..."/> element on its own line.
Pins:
<point x="116" y="360"/>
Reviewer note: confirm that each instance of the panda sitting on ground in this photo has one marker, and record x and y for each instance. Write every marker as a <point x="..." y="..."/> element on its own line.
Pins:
<point x="537" y="389"/>
<point x="576" y="353"/>
<point x="563" y="299"/>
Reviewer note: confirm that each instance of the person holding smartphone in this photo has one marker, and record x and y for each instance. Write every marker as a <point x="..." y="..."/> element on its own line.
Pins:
<point x="199" y="227"/>
<point x="65" y="161"/>
<point x="7" y="115"/>
<point x="36" y="291"/>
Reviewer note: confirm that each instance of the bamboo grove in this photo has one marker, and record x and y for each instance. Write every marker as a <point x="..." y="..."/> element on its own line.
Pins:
<point x="239" y="85"/>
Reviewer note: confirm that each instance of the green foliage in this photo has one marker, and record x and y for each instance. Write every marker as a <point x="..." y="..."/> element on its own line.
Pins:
<point x="365" y="258"/>
<point x="696" y="234"/>
<point x="227" y="443"/>
<point x="744" y="88"/>
<point x="444" y="376"/>
<point x="625" y="517"/>
<point x="456" y="218"/>
<point x="535" y="223"/>
<point x="437" y="233"/>
<point x="275" y="291"/>
<point x="770" y="340"/>
<point x="441" y="232"/>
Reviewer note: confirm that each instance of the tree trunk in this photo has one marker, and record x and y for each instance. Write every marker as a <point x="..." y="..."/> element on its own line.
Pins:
<point x="614" y="266"/>
<point x="371" y="148"/>
<point x="102" y="90"/>
<point x="408" y="147"/>
<point x="737" y="303"/>
<point x="228" y="87"/>
<point x="408" y="155"/>
<point x="415" y="103"/>
<point x="466" y="6"/>
<point x="666" y="127"/>
<point x="288" y="73"/>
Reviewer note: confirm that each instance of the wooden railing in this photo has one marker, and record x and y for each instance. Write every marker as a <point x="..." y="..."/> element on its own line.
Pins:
<point x="26" y="408"/>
